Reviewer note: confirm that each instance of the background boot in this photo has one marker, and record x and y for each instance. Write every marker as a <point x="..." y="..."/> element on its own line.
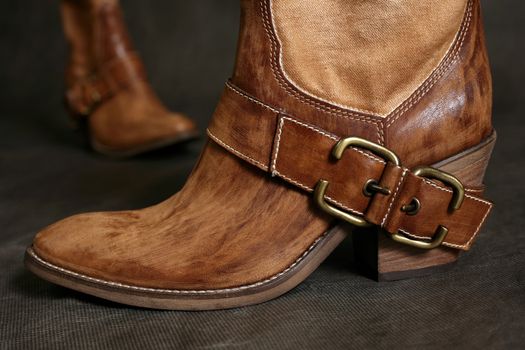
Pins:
<point x="332" y="117"/>
<point x="107" y="84"/>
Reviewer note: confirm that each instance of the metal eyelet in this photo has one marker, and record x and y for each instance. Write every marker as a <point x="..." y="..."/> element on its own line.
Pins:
<point x="412" y="208"/>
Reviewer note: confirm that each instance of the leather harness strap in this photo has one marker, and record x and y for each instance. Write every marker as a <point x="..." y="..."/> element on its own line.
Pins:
<point x="118" y="74"/>
<point x="303" y="155"/>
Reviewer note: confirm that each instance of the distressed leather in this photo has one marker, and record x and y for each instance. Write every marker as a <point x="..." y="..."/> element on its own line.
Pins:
<point x="234" y="223"/>
<point x="229" y="226"/>
<point x="456" y="99"/>
<point x="106" y="81"/>
<point x="300" y="153"/>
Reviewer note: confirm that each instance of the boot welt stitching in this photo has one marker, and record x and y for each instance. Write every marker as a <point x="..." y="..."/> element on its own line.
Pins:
<point x="179" y="291"/>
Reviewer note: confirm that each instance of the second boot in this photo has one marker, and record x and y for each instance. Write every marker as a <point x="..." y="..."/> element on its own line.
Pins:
<point x="107" y="85"/>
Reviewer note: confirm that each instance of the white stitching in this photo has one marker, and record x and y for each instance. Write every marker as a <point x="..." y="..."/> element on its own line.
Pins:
<point x="239" y="154"/>
<point x="414" y="236"/>
<point x="442" y="65"/>
<point x="308" y="189"/>
<point x="431" y="183"/>
<point x="267" y="24"/>
<point x="242" y="94"/>
<point x="274" y="172"/>
<point x="308" y="94"/>
<point x="474" y="190"/>
<point x="182" y="291"/>
<point x="311" y="128"/>
<point x="333" y="138"/>
<point x="394" y="196"/>
<point x="436" y="75"/>
<point x="458" y="246"/>
<point x="277" y="146"/>
<point x="475" y="233"/>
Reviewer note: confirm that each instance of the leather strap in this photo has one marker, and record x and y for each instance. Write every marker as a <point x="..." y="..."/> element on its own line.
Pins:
<point x="300" y="153"/>
<point x="118" y="74"/>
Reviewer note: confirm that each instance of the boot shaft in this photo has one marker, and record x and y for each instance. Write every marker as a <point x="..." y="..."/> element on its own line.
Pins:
<point x="385" y="71"/>
<point x="96" y="34"/>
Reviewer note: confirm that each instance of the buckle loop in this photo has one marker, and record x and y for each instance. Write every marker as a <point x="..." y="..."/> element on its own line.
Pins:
<point x="458" y="195"/>
<point x="337" y="152"/>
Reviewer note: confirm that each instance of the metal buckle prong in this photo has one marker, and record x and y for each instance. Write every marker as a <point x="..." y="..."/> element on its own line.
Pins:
<point x="458" y="195"/>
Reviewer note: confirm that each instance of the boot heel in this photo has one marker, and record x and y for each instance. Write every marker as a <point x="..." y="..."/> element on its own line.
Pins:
<point x="383" y="259"/>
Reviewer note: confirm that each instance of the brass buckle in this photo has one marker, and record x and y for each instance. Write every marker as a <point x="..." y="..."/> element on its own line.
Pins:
<point x="458" y="192"/>
<point x="337" y="152"/>
<point x="458" y="195"/>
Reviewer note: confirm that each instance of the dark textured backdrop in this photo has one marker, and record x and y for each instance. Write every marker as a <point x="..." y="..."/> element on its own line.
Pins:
<point x="188" y="47"/>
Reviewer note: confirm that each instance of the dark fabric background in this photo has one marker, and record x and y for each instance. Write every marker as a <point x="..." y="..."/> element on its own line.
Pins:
<point x="46" y="173"/>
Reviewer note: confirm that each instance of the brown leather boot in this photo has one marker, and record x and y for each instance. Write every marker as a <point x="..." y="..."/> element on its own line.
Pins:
<point x="107" y="85"/>
<point x="331" y="121"/>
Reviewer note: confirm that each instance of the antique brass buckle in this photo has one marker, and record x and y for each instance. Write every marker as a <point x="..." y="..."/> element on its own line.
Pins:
<point x="458" y="192"/>
<point x="337" y="153"/>
<point x="458" y="195"/>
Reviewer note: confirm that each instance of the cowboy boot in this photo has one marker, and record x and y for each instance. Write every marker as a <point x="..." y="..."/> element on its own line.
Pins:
<point x="339" y="115"/>
<point x="107" y="85"/>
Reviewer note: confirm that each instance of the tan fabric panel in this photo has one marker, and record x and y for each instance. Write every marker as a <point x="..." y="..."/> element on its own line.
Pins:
<point x="368" y="55"/>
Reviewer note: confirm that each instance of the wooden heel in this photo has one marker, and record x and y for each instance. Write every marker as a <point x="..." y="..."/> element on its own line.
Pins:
<point x="383" y="259"/>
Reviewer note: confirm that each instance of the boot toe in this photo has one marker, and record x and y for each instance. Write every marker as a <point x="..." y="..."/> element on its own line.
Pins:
<point x="177" y="126"/>
<point x="87" y="243"/>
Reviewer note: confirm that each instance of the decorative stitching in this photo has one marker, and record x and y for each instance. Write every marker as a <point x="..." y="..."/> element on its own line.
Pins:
<point x="439" y="66"/>
<point x="278" y="144"/>
<point x="246" y="96"/>
<point x="437" y="74"/>
<point x="333" y="137"/>
<point x="308" y="94"/>
<point x="446" y="63"/>
<point x="431" y="183"/>
<point x="308" y="189"/>
<point x="452" y="245"/>
<point x="268" y="27"/>
<point x="415" y="236"/>
<point x="182" y="291"/>
<point x="274" y="172"/>
<point x="394" y="196"/>
<point x="311" y="127"/>
<point x="475" y="233"/>
<point x="234" y="151"/>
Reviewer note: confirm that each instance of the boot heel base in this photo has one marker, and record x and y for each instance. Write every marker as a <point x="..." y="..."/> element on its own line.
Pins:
<point x="383" y="259"/>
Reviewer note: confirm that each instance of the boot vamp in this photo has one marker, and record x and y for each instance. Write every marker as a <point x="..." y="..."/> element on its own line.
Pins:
<point x="231" y="225"/>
